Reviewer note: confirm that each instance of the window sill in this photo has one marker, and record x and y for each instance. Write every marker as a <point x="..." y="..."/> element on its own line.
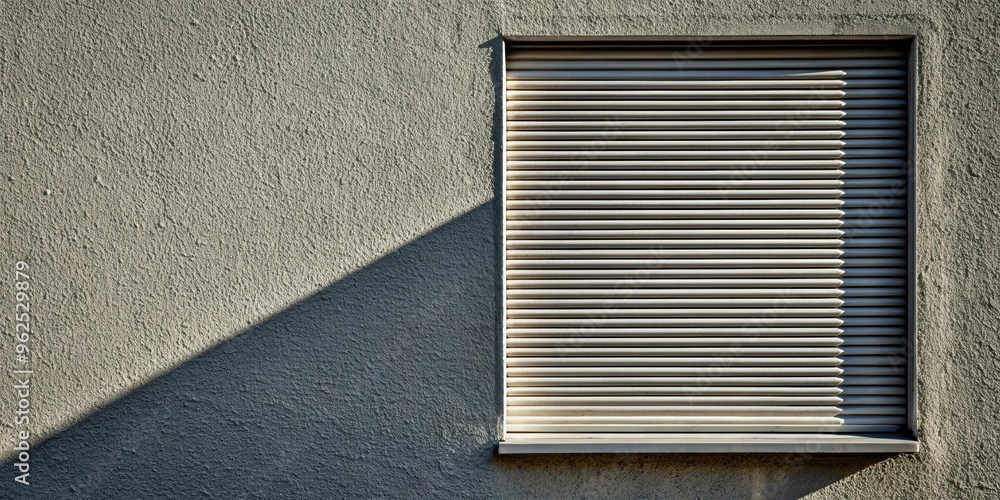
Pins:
<point x="708" y="443"/>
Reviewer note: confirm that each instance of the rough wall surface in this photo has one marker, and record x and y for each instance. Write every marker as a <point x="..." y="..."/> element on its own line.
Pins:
<point x="262" y="240"/>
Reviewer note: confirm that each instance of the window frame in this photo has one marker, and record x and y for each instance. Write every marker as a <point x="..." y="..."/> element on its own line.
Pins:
<point x="709" y="442"/>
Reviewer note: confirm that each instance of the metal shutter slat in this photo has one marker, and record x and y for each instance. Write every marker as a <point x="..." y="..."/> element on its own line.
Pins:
<point x="640" y="282"/>
<point x="728" y="94"/>
<point x="778" y="290"/>
<point x="627" y="393"/>
<point x="677" y="343"/>
<point x="732" y="430"/>
<point x="584" y="52"/>
<point x="641" y="351"/>
<point x="666" y="371"/>
<point x="686" y="302"/>
<point x="688" y="63"/>
<point x="527" y="258"/>
<point x="702" y="114"/>
<point x="676" y="332"/>
<point x="727" y="165"/>
<point x="671" y="104"/>
<point x="516" y="136"/>
<point x="695" y="144"/>
<point x="623" y="123"/>
<point x="640" y="200"/>
<point x="699" y="74"/>
<point x="780" y="380"/>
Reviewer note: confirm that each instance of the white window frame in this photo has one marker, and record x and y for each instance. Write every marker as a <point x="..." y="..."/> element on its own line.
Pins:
<point x="719" y="442"/>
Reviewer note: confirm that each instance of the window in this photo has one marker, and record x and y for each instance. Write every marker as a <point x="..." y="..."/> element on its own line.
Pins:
<point x="708" y="246"/>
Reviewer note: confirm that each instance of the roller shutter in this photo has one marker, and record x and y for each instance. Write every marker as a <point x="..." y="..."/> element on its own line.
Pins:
<point x="705" y="241"/>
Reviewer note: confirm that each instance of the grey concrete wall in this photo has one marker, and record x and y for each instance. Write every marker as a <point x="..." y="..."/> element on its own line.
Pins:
<point x="262" y="240"/>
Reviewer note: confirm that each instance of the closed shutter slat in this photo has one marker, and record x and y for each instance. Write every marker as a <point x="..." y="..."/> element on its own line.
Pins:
<point x="679" y="361"/>
<point x="730" y="94"/>
<point x="668" y="203"/>
<point x="622" y="123"/>
<point x="684" y="234"/>
<point x="585" y="52"/>
<point x="851" y="82"/>
<point x="667" y="371"/>
<point x="777" y="380"/>
<point x="688" y="63"/>
<point x="643" y="355"/>
<point x="595" y="247"/>
<point x="588" y="431"/>
<point x="679" y="344"/>
<point x="703" y="114"/>
<point x="706" y="74"/>
<point x="675" y="322"/>
<point x="664" y="135"/>
<point x="627" y="310"/>
<point x="689" y="302"/>
<point x="626" y="393"/>
<point x="747" y="256"/>
<point x="673" y="291"/>
<point x="638" y="340"/>
<point x="670" y="104"/>
<point x="706" y="153"/>
<point x="766" y="215"/>
<point x="544" y="198"/>
<point x="671" y="332"/>
<point x="639" y="282"/>
<point x="705" y="144"/>
<point x="825" y="419"/>
<point x="584" y="163"/>
<point x="570" y="183"/>
<point x="542" y="403"/>
<point x="664" y="353"/>
<point x="693" y="409"/>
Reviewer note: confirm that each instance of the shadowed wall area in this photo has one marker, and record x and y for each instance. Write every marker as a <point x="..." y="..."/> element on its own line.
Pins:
<point x="382" y="384"/>
<point x="379" y="384"/>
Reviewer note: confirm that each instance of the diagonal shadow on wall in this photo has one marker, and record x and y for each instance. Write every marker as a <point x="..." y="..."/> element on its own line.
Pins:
<point x="381" y="385"/>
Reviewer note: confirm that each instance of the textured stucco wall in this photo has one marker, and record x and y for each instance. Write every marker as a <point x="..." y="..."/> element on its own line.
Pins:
<point x="262" y="239"/>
